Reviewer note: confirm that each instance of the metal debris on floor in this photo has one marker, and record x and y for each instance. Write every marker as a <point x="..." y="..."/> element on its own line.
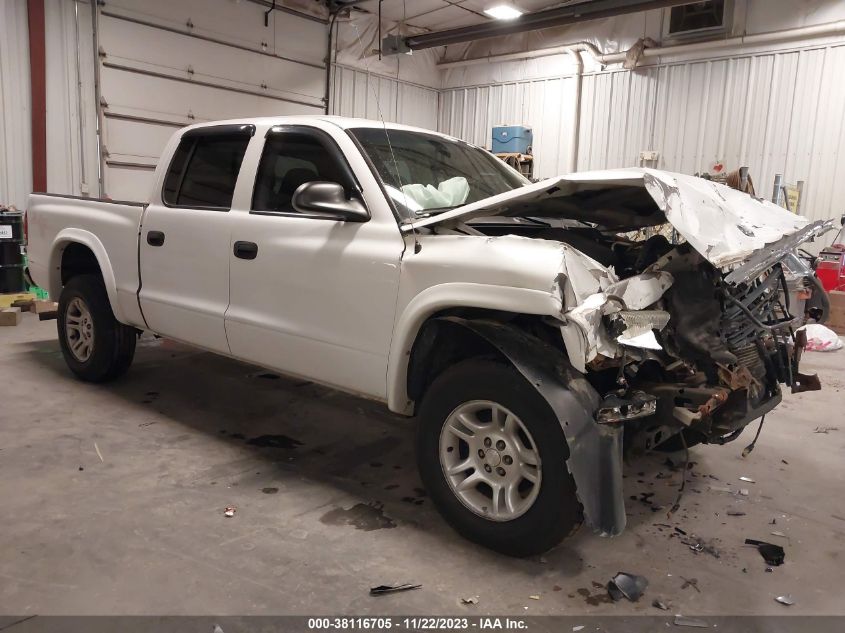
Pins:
<point x="625" y="585"/>
<point x="735" y="513"/>
<point x="748" y="479"/>
<point x="470" y="600"/>
<point x="659" y="605"/>
<point x="384" y="589"/>
<point x="682" y="620"/>
<point x="825" y="429"/>
<point x="229" y="511"/>
<point x="771" y="553"/>
<point x="787" y="600"/>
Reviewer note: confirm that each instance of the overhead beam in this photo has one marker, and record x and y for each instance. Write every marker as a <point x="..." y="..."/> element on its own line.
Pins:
<point x="560" y="16"/>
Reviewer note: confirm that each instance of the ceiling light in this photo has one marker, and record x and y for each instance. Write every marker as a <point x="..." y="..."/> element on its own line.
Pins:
<point x="503" y="12"/>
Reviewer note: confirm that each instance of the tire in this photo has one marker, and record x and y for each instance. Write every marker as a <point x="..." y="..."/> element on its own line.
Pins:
<point x="553" y="510"/>
<point x="84" y="304"/>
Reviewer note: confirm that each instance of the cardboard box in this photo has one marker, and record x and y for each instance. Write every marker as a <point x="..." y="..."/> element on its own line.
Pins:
<point x="10" y="316"/>
<point x="836" y="320"/>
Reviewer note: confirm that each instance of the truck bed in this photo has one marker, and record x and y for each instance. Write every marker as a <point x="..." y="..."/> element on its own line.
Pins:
<point x="109" y="228"/>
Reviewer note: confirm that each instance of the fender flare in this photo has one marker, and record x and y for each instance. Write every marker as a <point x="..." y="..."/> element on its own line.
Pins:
<point x="595" y="450"/>
<point x="443" y="297"/>
<point x="85" y="238"/>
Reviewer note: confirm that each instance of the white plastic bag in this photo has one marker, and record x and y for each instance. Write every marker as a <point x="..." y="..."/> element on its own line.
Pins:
<point x="821" y="338"/>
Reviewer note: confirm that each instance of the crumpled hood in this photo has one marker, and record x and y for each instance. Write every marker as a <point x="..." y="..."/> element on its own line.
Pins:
<point x="724" y="225"/>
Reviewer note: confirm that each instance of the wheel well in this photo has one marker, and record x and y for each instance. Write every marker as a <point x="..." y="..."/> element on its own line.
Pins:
<point x="440" y="344"/>
<point x="78" y="259"/>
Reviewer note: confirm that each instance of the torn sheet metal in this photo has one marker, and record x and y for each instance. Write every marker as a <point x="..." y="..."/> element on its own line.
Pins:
<point x="584" y="334"/>
<point x="581" y="276"/>
<point x="724" y="225"/>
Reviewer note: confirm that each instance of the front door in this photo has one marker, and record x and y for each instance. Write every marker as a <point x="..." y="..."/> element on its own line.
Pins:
<point x="314" y="296"/>
<point x="185" y="236"/>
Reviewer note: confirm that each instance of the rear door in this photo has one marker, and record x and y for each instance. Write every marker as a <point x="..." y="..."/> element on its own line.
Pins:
<point x="184" y="241"/>
<point x="314" y="296"/>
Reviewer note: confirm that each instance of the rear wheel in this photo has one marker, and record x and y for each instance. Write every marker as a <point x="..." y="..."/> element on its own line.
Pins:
<point x="492" y="455"/>
<point x="95" y="346"/>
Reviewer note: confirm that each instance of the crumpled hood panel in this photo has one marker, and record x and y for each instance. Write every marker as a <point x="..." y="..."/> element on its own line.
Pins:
<point x="724" y="225"/>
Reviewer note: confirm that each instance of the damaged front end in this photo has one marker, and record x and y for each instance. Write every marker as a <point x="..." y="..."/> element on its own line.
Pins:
<point x="725" y="351"/>
<point x="678" y="310"/>
<point x="679" y="348"/>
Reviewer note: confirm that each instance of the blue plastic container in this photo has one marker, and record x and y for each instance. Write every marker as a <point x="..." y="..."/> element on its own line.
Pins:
<point x="512" y="139"/>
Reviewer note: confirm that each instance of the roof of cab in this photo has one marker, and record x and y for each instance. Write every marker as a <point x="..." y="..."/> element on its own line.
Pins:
<point x="340" y="121"/>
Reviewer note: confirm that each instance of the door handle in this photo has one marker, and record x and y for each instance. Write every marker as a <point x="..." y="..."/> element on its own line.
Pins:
<point x="246" y="250"/>
<point x="155" y="238"/>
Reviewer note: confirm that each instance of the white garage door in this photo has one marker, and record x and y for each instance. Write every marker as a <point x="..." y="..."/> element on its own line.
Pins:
<point x="168" y="63"/>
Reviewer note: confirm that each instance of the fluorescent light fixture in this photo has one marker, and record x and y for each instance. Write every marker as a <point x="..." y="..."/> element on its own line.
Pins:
<point x="503" y="12"/>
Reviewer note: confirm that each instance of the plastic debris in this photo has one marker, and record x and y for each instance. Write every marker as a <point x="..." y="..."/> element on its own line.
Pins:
<point x="748" y="479"/>
<point x="625" y="585"/>
<point x="229" y="511"/>
<point x="820" y="338"/>
<point x="383" y="589"/>
<point x="682" y="620"/>
<point x="771" y="553"/>
<point x="787" y="600"/>
<point x="470" y="600"/>
<point x="534" y="597"/>
<point x="660" y="605"/>
<point x="578" y="628"/>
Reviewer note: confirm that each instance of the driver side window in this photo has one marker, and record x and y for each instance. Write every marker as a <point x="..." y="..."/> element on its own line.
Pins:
<point x="290" y="159"/>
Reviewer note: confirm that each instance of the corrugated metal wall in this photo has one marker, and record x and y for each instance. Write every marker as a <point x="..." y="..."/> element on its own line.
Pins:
<point x="777" y="112"/>
<point x="358" y="93"/>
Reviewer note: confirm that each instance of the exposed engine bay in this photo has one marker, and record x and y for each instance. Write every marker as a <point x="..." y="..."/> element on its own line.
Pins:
<point x="679" y="353"/>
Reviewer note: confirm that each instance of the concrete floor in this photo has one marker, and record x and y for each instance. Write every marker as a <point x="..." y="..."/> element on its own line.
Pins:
<point x="328" y="503"/>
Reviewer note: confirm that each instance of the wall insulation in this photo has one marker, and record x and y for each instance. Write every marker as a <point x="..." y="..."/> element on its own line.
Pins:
<point x="777" y="112"/>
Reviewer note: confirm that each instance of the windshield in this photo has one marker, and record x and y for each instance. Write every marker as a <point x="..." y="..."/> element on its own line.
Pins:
<point x="425" y="173"/>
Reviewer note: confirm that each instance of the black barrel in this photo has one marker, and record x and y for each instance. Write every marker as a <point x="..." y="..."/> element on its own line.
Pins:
<point x="11" y="253"/>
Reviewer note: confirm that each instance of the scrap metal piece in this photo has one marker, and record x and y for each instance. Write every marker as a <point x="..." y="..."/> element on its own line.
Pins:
<point x="771" y="553"/>
<point x="383" y="589"/>
<point x="229" y="511"/>
<point x="748" y="479"/>
<point x="806" y="382"/>
<point x="787" y="600"/>
<point x="682" y="620"/>
<point x="659" y="605"/>
<point x="625" y="585"/>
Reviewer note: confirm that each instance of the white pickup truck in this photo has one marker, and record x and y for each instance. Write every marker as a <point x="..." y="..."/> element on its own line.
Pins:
<point x="528" y="326"/>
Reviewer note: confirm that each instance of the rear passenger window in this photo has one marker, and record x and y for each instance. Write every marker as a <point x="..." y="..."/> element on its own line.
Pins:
<point x="289" y="160"/>
<point x="205" y="167"/>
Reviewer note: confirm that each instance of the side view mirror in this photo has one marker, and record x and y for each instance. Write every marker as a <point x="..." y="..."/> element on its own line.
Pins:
<point x="328" y="198"/>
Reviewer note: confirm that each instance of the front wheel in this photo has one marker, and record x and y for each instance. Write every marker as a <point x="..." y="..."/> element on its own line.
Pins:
<point x="95" y="346"/>
<point x="492" y="455"/>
